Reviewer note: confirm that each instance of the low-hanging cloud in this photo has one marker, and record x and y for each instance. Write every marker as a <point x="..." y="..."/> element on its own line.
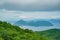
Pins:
<point x="5" y="14"/>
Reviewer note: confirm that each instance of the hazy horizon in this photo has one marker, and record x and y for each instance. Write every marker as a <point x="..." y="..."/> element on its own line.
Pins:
<point x="15" y="10"/>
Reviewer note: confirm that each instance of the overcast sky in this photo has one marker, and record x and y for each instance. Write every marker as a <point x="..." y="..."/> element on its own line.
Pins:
<point x="30" y="5"/>
<point x="29" y="9"/>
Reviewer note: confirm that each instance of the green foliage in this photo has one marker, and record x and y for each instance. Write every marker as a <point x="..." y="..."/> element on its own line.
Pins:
<point x="52" y="34"/>
<point x="11" y="32"/>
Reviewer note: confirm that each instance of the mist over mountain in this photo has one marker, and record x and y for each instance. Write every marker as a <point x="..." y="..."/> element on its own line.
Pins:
<point x="30" y="19"/>
<point x="55" y="20"/>
<point x="35" y="23"/>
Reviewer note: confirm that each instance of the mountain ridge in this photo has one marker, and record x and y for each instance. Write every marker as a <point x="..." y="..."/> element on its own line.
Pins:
<point x="35" y="23"/>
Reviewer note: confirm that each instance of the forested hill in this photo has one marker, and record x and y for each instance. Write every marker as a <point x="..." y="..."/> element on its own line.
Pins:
<point x="52" y="34"/>
<point x="11" y="32"/>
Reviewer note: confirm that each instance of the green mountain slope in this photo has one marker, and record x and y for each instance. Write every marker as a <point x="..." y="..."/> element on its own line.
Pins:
<point x="52" y="34"/>
<point x="10" y="32"/>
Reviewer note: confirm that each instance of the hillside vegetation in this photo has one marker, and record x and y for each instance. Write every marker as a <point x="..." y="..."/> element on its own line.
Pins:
<point x="11" y="32"/>
<point x="52" y="34"/>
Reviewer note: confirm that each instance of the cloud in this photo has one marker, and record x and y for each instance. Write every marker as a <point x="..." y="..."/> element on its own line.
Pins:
<point x="30" y="5"/>
<point x="13" y="16"/>
<point x="8" y="15"/>
<point x="40" y="15"/>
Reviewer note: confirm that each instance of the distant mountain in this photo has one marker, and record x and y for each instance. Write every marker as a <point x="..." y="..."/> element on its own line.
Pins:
<point x="52" y="34"/>
<point x="55" y="20"/>
<point x="35" y="23"/>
